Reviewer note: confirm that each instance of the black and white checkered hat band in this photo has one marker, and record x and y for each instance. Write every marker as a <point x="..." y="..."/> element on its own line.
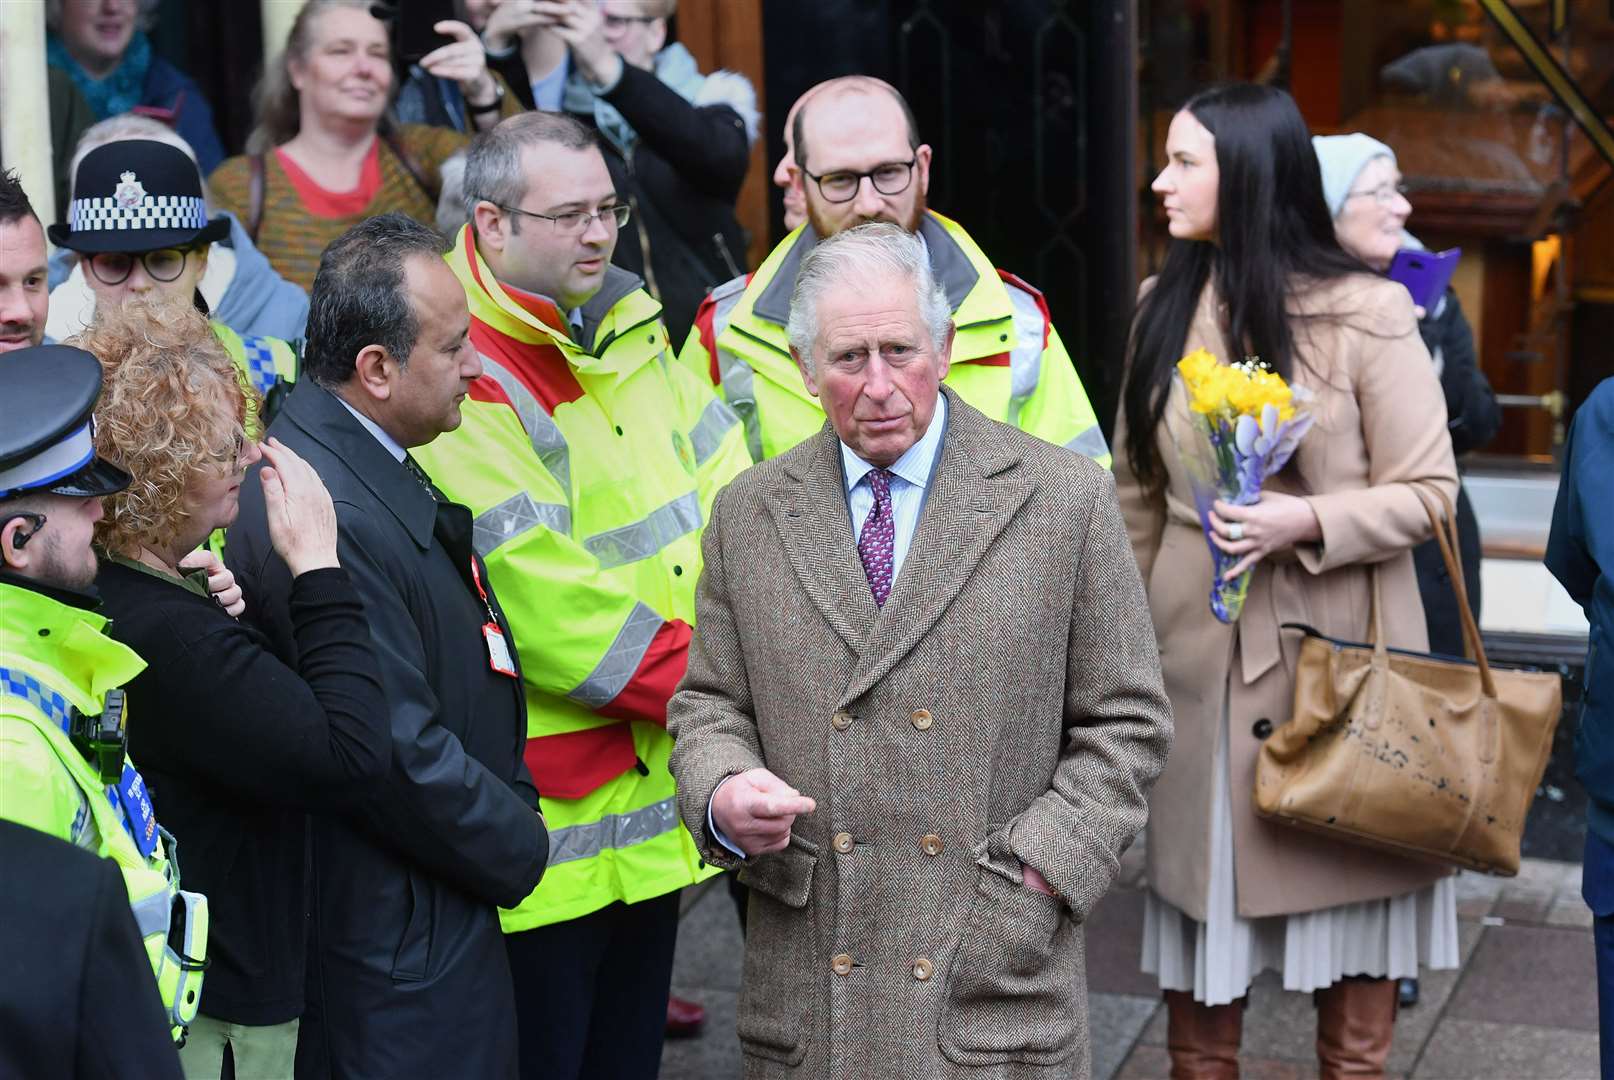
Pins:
<point x="154" y="212"/>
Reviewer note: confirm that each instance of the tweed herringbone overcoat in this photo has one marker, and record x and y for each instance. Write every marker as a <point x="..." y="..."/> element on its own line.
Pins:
<point x="1005" y="706"/>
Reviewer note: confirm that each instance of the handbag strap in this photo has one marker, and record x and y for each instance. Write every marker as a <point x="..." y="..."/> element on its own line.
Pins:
<point x="1446" y="537"/>
<point x="411" y="165"/>
<point x="256" y="181"/>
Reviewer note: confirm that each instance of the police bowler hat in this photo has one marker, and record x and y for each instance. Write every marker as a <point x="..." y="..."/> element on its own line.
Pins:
<point x="137" y="195"/>
<point x="47" y="444"/>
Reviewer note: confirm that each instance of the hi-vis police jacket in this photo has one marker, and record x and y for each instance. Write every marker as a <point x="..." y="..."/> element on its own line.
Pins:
<point x="590" y="463"/>
<point x="54" y="659"/>
<point x="263" y="360"/>
<point x="260" y="363"/>
<point x="1007" y="358"/>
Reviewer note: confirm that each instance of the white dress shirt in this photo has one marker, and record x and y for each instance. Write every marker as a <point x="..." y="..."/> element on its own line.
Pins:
<point x="391" y="444"/>
<point x="910" y="479"/>
<point x="910" y="482"/>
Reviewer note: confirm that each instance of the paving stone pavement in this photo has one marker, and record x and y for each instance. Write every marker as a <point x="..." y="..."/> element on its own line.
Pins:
<point x="1522" y="1007"/>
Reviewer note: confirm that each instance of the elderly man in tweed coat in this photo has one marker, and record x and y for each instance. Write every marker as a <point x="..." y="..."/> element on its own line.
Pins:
<point x="923" y="706"/>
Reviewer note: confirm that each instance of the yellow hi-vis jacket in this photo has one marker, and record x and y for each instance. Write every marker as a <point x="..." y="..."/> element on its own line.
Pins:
<point x="590" y="463"/>
<point x="260" y="362"/>
<point x="54" y="659"/>
<point x="1007" y="358"/>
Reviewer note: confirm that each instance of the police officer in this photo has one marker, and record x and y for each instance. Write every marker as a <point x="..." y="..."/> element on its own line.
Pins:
<point x="139" y="223"/>
<point x="62" y="766"/>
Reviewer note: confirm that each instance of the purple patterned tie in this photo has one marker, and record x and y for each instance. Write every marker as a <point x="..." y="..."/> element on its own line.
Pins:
<point x="876" y="545"/>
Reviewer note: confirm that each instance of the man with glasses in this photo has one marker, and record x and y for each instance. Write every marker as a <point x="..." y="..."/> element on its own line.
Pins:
<point x="859" y="157"/>
<point x="677" y="141"/>
<point x="590" y="463"/>
<point x="138" y="222"/>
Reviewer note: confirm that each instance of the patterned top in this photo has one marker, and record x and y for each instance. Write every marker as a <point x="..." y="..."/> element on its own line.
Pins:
<point x="293" y="238"/>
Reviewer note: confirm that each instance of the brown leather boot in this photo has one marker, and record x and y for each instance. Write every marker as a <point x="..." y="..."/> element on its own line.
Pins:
<point x="1203" y="1039"/>
<point x="1355" y="1021"/>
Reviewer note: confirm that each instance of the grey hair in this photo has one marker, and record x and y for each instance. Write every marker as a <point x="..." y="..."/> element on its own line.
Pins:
<point x="878" y="248"/>
<point x="493" y="171"/>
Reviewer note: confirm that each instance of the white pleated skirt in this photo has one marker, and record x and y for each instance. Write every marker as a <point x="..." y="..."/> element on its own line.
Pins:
<point x="1218" y="958"/>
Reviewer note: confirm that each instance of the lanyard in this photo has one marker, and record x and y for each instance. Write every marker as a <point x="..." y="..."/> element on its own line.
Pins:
<point x="492" y="633"/>
<point x="481" y="590"/>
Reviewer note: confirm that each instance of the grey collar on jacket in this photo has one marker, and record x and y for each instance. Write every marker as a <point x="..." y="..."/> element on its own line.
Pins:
<point x="318" y="414"/>
<point x="948" y="262"/>
<point x="618" y="284"/>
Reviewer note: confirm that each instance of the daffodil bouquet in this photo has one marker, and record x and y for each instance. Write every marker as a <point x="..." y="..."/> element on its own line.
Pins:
<point x="1247" y="422"/>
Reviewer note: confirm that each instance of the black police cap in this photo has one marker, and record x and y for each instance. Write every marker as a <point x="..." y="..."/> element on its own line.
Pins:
<point x="47" y="424"/>
<point x="137" y="195"/>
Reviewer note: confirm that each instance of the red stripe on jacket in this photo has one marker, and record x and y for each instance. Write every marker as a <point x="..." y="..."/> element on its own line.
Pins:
<point x="573" y="764"/>
<point x="703" y="323"/>
<point x="1036" y="294"/>
<point x="542" y="369"/>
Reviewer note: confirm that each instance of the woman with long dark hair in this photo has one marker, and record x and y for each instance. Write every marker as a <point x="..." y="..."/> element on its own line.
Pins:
<point x="1254" y="269"/>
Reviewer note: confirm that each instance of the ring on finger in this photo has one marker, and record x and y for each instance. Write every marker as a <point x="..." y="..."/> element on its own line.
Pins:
<point x="1235" y="530"/>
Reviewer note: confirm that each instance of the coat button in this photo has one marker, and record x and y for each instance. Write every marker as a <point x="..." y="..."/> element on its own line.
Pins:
<point x="1261" y="728"/>
<point x="842" y="719"/>
<point x="843" y="843"/>
<point x="931" y="844"/>
<point x="921" y="719"/>
<point x="923" y="969"/>
<point x="842" y="964"/>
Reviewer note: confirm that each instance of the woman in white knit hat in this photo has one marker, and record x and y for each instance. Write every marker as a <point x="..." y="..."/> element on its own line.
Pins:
<point x="1363" y="188"/>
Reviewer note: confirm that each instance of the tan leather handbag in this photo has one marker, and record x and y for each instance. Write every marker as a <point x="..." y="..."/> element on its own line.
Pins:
<point x="1426" y="756"/>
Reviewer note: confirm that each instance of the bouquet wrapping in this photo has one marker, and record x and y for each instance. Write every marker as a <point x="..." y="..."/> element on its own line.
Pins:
<point x="1245" y="422"/>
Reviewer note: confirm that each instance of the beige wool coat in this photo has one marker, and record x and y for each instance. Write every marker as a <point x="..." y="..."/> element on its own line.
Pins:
<point x="1004" y="706"/>
<point x="1381" y="425"/>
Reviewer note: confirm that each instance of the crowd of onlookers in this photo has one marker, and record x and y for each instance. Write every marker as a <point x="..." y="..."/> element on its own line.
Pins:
<point x="431" y="662"/>
<point x="346" y="128"/>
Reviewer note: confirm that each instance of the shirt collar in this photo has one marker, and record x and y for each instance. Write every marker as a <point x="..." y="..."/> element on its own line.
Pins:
<point x="375" y="429"/>
<point x="916" y="463"/>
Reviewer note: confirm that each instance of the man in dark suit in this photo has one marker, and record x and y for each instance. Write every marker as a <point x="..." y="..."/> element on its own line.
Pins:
<point x="407" y="970"/>
<point x="76" y="995"/>
<point x="923" y="707"/>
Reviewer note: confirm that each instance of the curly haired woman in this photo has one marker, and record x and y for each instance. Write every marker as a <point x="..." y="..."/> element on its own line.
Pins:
<point x="236" y="746"/>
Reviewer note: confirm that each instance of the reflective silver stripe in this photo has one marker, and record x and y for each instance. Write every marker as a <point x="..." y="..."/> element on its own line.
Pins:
<point x="615" y="669"/>
<point x="152" y="913"/>
<point x="645" y="537"/>
<point x="84" y="833"/>
<point x="739" y="388"/>
<point x="707" y="434"/>
<point x="1025" y="358"/>
<point x="547" y="441"/>
<point x="1090" y="442"/>
<point x="738" y="381"/>
<point x="516" y="515"/>
<point x="612" y="831"/>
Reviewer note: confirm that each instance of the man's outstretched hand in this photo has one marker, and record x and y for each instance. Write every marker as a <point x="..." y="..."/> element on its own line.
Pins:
<point x="755" y="810"/>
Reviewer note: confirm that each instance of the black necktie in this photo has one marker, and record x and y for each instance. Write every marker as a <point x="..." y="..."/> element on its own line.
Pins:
<point x="425" y="481"/>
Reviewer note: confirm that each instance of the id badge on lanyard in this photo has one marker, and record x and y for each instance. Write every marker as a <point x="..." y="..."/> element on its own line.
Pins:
<point x="498" y="646"/>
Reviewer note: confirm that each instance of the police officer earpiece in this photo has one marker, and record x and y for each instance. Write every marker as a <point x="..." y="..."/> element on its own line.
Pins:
<point x="20" y="538"/>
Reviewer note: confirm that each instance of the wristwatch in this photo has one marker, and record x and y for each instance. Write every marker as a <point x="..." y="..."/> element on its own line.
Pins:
<point x="492" y="106"/>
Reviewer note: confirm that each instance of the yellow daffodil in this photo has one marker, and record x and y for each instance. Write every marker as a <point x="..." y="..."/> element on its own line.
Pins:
<point x="1232" y="390"/>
